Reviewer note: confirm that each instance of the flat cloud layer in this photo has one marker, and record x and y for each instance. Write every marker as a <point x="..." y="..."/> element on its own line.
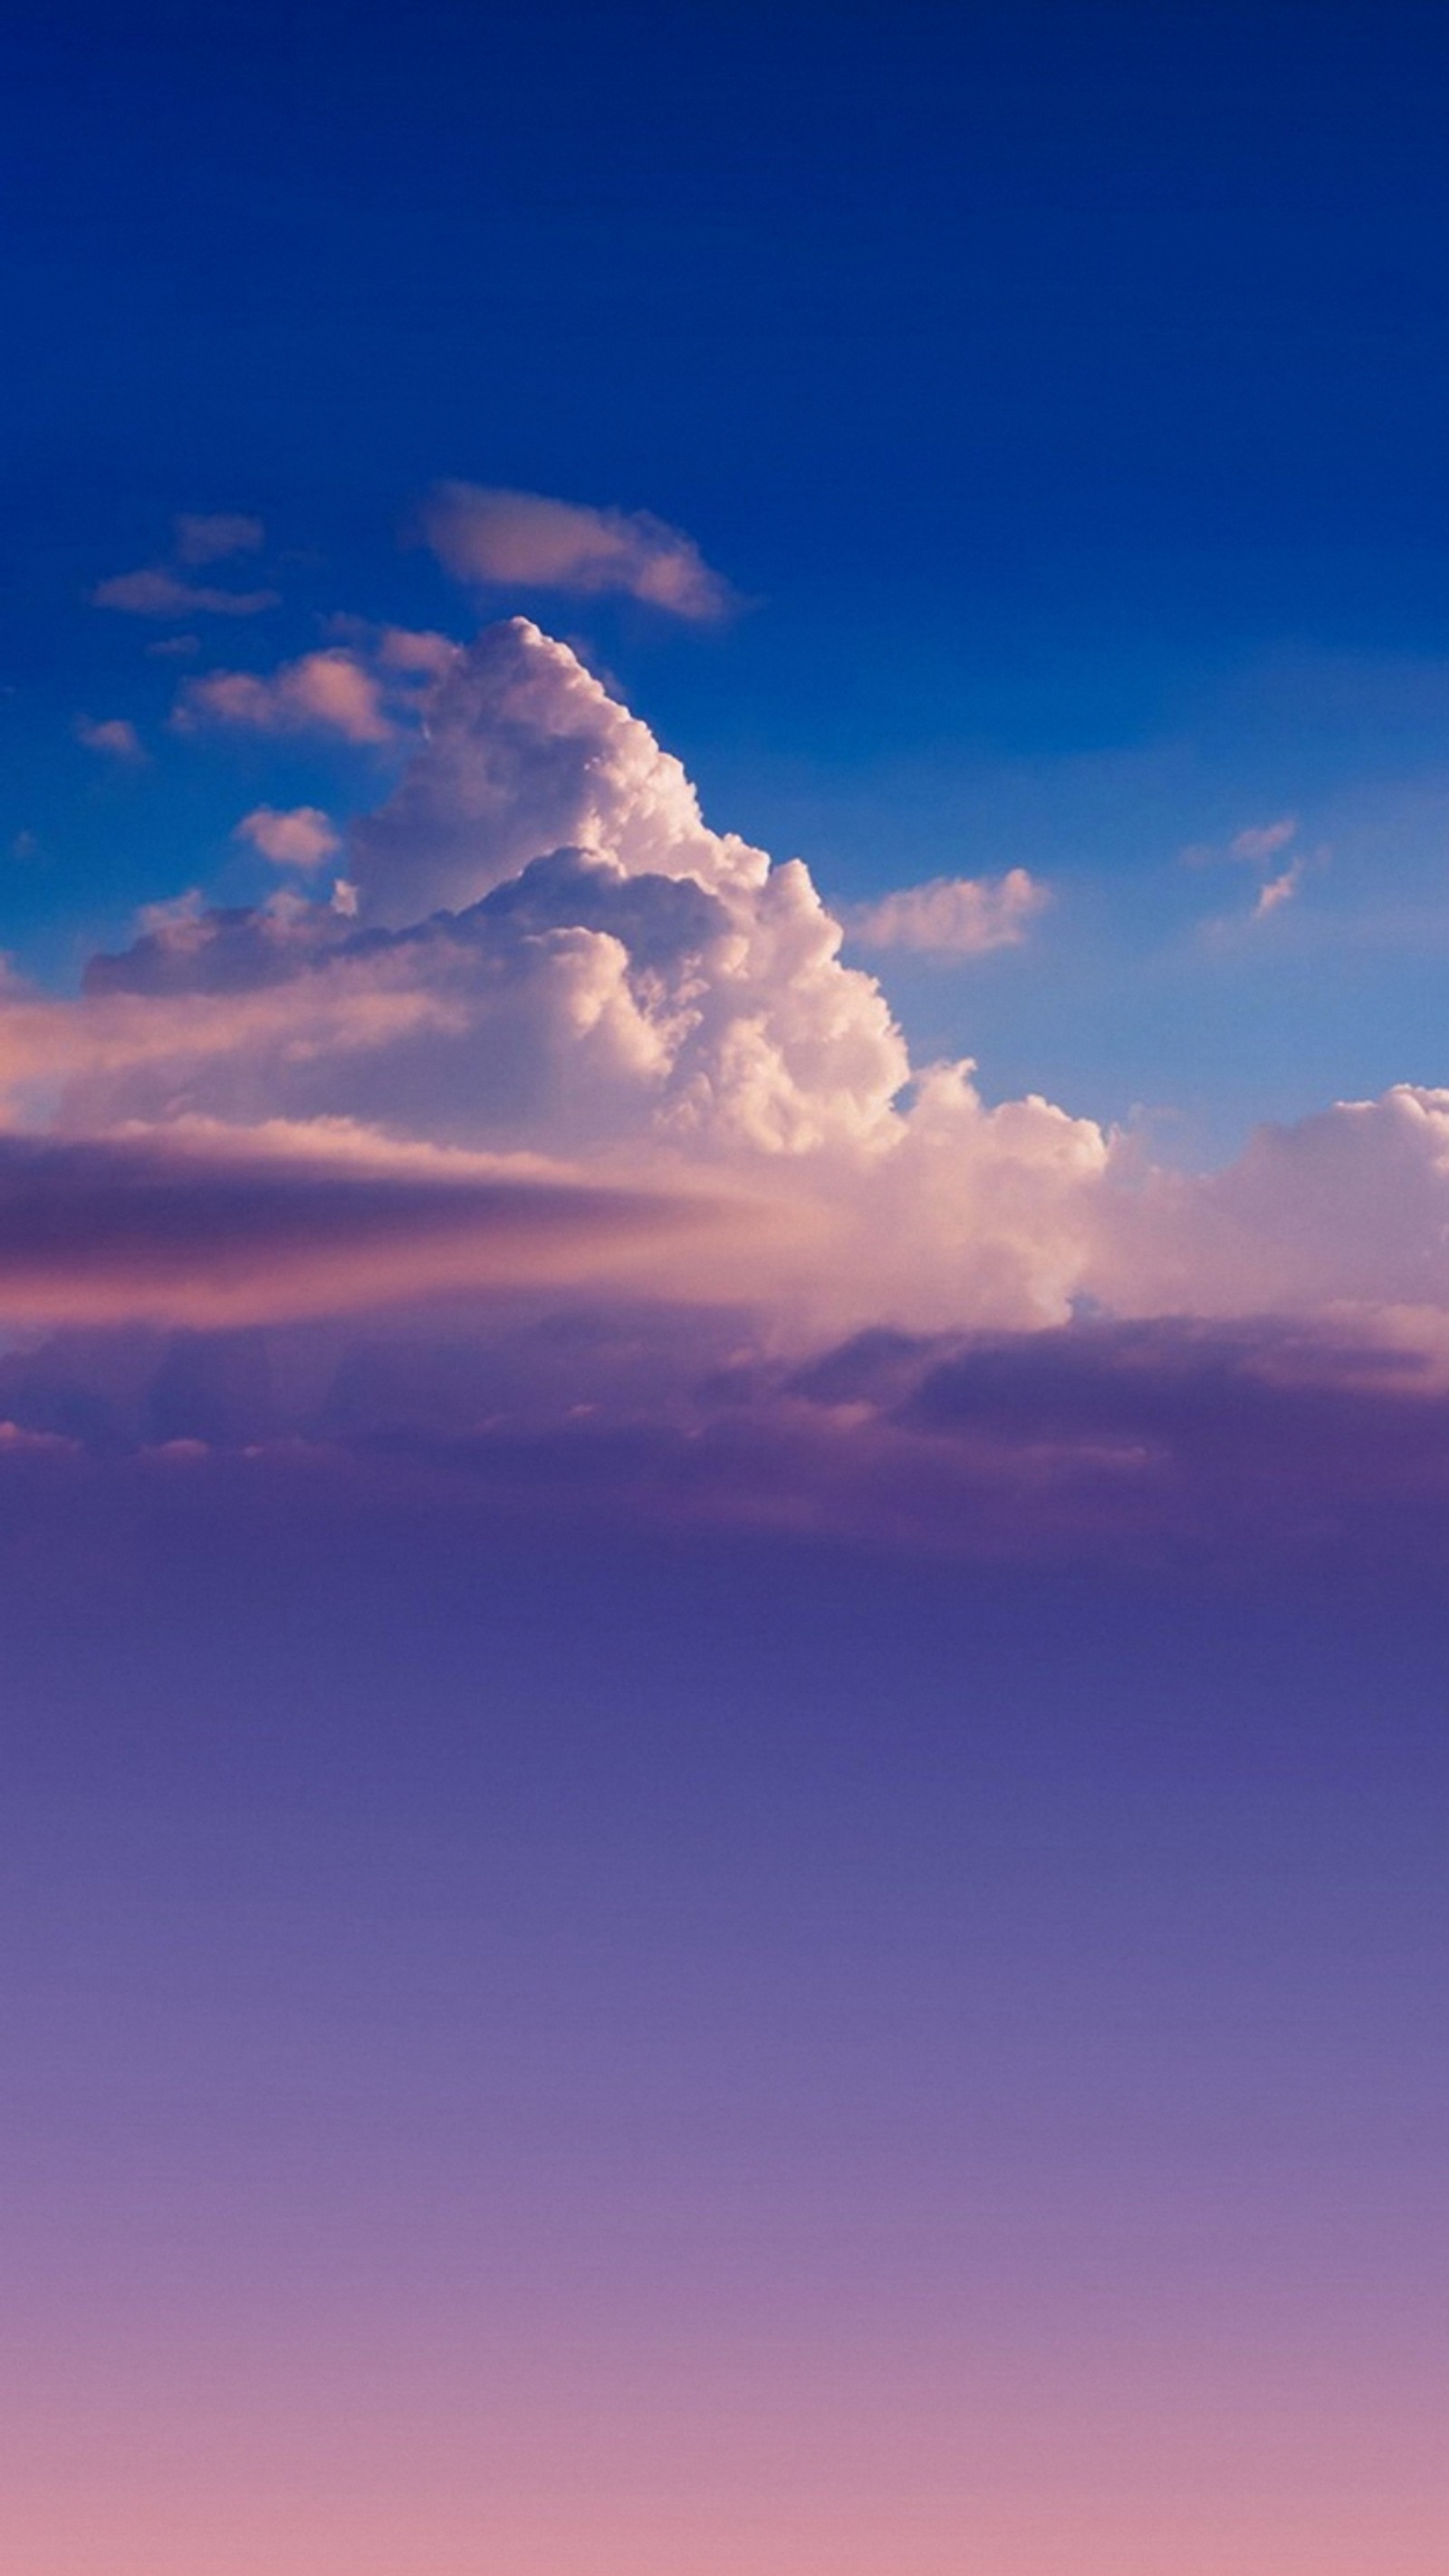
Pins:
<point x="546" y="952"/>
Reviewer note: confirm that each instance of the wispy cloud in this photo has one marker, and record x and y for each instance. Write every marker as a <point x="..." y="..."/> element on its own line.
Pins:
<point x="1278" y="891"/>
<point x="1258" y="843"/>
<point x="523" y="539"/>
<point x="953" y="916"/>
<point x="208" y="536"/>
<point x="160" y="590"/>
<point x="157" y="592"/>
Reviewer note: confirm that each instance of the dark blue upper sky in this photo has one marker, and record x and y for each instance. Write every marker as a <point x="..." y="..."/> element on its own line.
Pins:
<point x="1066" y="386"/>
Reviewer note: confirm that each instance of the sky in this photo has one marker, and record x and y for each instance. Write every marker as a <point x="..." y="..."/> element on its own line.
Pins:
<point x="724" y="1340"/>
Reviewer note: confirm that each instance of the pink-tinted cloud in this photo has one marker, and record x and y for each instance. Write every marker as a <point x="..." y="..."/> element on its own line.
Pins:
<point x="208" y="536"/>
<point x="332" y="691"/>
<point x="524" y="540"/>
<point x="1261" y="842"/>
<point x="1278" y="890"/>
<point x="157" y="592"/>
<point x="202" y="1228"/>
<point x="302" y="836"/>
<point x="554" y="956"/>
<point x="953" y="916"/>
<point x="114" y="736"/>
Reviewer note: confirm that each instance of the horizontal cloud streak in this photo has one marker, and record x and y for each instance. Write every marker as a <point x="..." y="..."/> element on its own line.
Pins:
<point x="212" y="1229"/>
<point x="155" y="592"/>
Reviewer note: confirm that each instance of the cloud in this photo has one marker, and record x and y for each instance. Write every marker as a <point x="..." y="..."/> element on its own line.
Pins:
<point x="157" y="592"/>
<point x="526" y="753"/>
<point x="208" y="536"/>
<point x="544" y="947"/>
<point x="1278" y="891"/>
<point x="953" y="916"/>
<point x="160" y="590"/>
<point x="1344" y="1211"/>
<point x="1261" y="842"/>
<point x="589" y="1091"/>
<point x="114" y="736"/>
<point x="523" y="540"/>
<point x="210" y="1230"/>
<point x="333" y="691"/>
<point x="301" y="837"/>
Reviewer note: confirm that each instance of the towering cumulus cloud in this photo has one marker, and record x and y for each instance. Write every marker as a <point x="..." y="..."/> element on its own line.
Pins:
<point x="564" y="1040"/>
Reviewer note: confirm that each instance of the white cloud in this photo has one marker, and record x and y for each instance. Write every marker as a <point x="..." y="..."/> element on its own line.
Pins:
<point x="523" y="540"/>
<point x="953" y="916"/>
<point x="1345" y="1211"/>
<point x="526" y="753"/>
<point x="553" y="954"/>
<point x="114" y="736"/>
<point x="302" y="836"/>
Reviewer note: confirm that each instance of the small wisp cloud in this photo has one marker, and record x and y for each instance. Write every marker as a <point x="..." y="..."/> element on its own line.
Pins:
<point x="501" y="539"/>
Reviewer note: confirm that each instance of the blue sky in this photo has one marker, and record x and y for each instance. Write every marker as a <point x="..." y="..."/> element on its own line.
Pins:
<point x="1063" y="391"/>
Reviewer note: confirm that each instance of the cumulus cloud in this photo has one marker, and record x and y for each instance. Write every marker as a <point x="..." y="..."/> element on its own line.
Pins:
<point x="301" y="836"/>
<point x="544" y="946"/>
<point x="953" y="916"/>
<point x="565" y="1044"/>
<point x="524" y="540"/>
<point x="114" y="736"/>
<point x="1346" y="1209"/>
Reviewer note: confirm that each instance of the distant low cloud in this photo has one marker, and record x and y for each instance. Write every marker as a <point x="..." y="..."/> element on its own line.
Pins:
<point x="953" y="916"/>
<point x="115" y="737"/>
<point x="481" y="534"/>
<point x="300" y="837"/>
<point x="208" y="536"/>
